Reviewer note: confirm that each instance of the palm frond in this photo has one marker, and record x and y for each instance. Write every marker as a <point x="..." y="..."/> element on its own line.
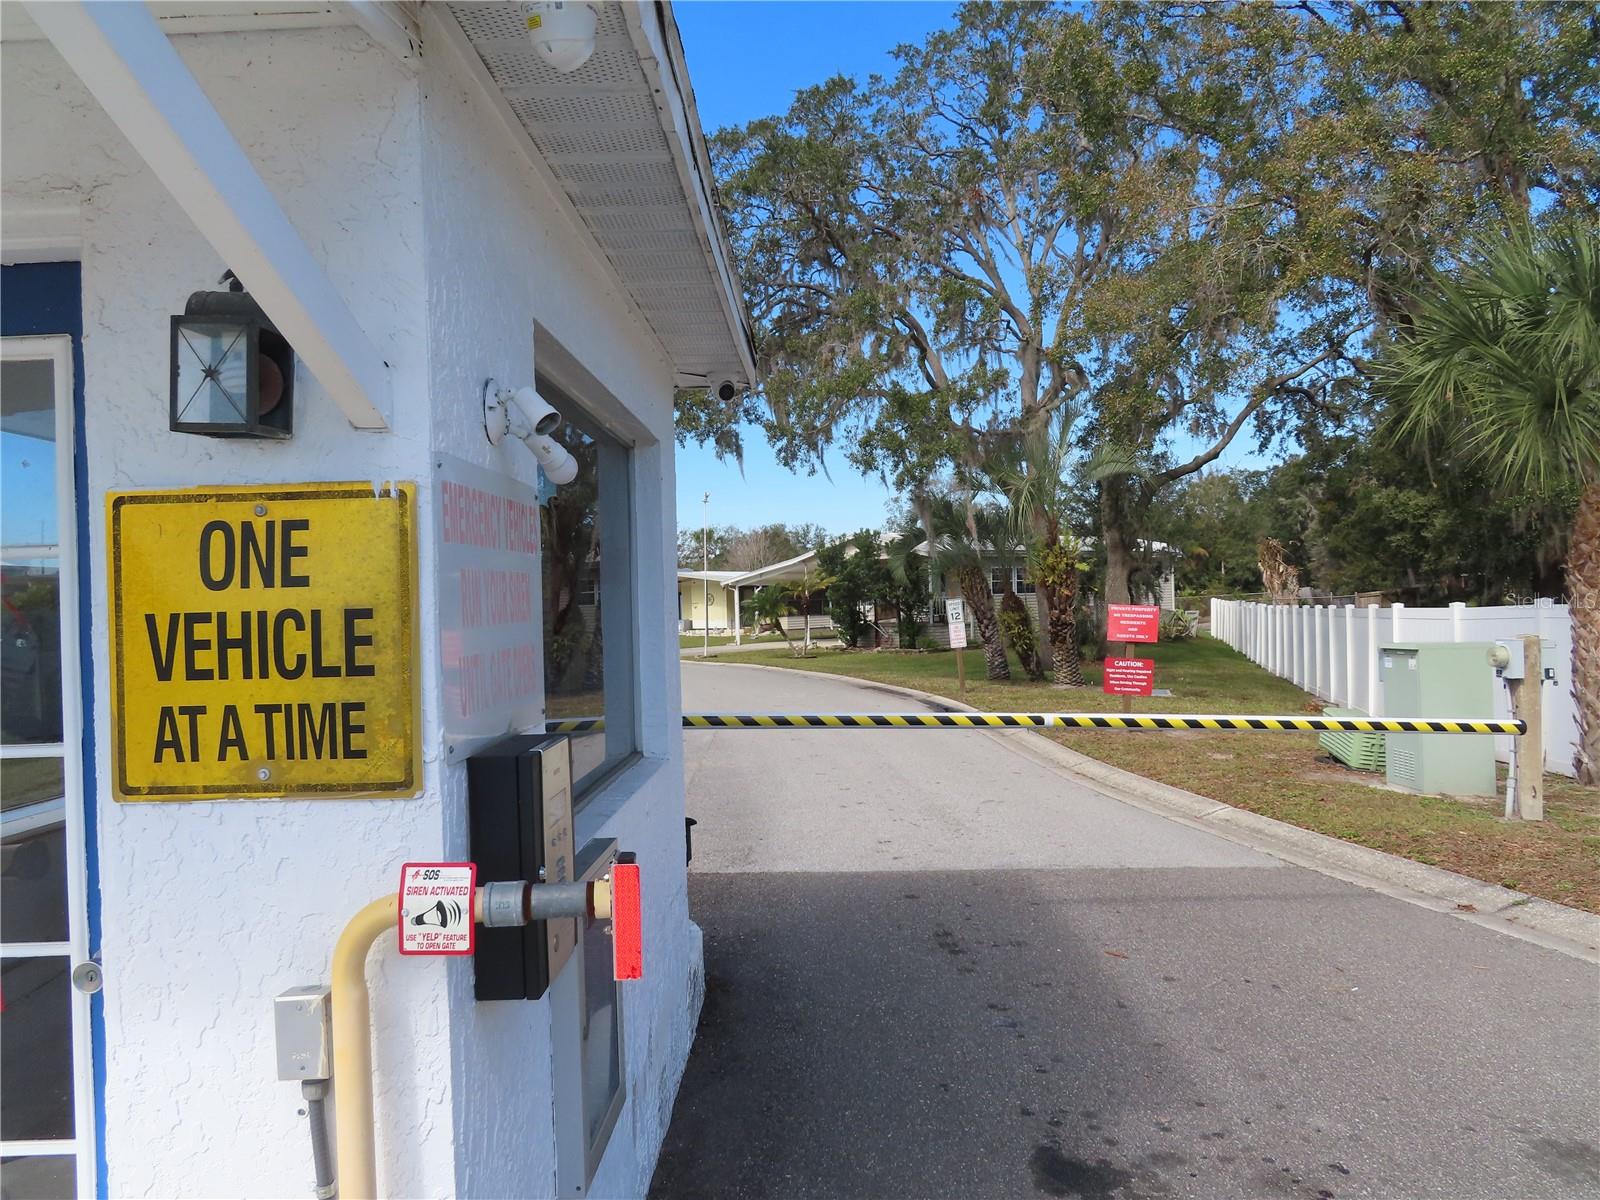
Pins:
<point x="1501" y="362"/>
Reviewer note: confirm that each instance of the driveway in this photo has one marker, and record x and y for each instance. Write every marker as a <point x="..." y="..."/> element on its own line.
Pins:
<point x="937" y="967"/>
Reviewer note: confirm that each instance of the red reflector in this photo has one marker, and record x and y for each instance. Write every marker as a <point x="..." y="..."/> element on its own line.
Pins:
<point x="627" y="922"/>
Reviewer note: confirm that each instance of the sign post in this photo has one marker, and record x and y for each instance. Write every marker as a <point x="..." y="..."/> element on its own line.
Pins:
<point x="263" y="641"/>
<point x="955" y="615"/>
<point x="1527" y="704"/>
<point x="1129" y="676"/>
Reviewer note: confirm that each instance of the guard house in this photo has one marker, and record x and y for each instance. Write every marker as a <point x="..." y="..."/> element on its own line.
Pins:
<point x="340" y="346"/>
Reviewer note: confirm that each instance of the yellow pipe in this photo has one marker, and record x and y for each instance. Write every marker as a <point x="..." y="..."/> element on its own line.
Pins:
<point x="352" y="1048"/>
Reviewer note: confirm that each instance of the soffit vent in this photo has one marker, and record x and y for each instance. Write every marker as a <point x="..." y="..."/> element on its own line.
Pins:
<point x="600" y="133"/>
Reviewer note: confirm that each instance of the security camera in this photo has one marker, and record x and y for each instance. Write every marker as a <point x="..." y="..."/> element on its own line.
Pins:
<point x="531" y="419"/>
<point x="541" y="414"/>
<point x="562" y="32"/>
<point x="727" y="390"/>
<point x="559" y="466"/>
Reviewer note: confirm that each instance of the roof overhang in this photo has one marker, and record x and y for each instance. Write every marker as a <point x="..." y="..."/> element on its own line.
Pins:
<point x="789" y="569"/>
<point x="621" y="138"/>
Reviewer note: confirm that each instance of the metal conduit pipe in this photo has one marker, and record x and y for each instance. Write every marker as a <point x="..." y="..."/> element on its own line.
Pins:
<point x="315" y="1092"/>
<point x="495" y="904"/>
<point x="352" y="1047"/>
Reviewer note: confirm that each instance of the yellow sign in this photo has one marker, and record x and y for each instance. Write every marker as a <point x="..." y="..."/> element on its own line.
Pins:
<point x="263" y="641"/>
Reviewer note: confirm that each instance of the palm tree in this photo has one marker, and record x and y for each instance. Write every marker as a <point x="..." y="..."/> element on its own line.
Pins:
<point x="1501" y="363"/>
<point x="771" y="604"/>
<point x="800" y="592"/>
<point x="909" y="583"/>
<point x="1035" y="474"/>
<point x="958" y="549"/>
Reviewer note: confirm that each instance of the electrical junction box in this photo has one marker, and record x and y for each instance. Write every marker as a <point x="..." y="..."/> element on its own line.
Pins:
<point x="519" y="801"/>
<point x="302" y="1024"/>
<point x="1508" y="658"/>
<point x="1439" y="679"/>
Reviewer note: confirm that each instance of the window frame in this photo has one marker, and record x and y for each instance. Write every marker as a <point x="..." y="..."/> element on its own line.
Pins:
<point x="81" y="1146"/>
<point x="614" y="588"/>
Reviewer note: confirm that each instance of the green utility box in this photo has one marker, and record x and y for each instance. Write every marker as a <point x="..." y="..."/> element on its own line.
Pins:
<point x="1439" y="679"/>
<point x="1362" y="751"/>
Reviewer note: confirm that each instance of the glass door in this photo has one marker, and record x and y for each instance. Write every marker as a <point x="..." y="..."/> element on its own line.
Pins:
<point x="46" y="1097"/>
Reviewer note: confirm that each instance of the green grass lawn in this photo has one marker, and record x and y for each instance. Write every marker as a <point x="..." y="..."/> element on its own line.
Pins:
<point x="1282" y="775"/>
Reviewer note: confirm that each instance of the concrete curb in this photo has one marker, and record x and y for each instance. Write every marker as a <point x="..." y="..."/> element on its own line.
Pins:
<point x="692" y="653"/>
<point x="1554" y="926"/>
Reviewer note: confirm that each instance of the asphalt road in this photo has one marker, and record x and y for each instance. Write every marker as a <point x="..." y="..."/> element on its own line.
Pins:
<point x="936" y="967"/>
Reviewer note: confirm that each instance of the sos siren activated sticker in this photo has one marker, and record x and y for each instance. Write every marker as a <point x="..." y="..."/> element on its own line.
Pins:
<point x="1132" y="622"/>
<point x="436" y="907"/>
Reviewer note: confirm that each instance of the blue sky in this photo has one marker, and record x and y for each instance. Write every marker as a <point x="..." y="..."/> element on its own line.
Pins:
<point x="747" y="60"/>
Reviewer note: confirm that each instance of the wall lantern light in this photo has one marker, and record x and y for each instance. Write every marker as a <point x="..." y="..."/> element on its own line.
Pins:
<point x="232" y="371"/>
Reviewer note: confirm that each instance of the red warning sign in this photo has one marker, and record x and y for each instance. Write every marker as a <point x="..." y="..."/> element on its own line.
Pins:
<point x="1132" y="623"/>
<point x="1129" y="676"/>
<point x="436" y="902"/>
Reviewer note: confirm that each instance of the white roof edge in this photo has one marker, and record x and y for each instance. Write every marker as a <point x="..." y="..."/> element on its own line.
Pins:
<point x="713" y="576"/>
<point x="655" y="41"/>
<point x="751" y="576"/>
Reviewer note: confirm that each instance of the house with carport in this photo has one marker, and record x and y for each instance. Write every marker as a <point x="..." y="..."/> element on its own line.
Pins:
<point x="716" y="600"/>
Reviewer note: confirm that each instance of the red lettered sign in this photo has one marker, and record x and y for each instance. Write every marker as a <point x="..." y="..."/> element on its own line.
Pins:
<point x="1132" y="622"/>
<point x="1129" y="676"/>
<point x="436" y="907"/>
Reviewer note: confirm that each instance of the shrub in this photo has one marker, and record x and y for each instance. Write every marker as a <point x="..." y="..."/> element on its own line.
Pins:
<point x="1016" y="627"/>
<point x="1176" y="627"/>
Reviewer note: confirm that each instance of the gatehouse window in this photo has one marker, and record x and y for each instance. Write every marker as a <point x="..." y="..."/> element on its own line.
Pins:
<point x="586" y="554"/>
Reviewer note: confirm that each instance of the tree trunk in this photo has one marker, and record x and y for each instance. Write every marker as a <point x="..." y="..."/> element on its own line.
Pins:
<point x="1583" y="601"/>
<point x="1067" y="670"/>
<point x="1047" y="621"/>
<point x="975" y="588"/>
<point x="1017" y="629"/>
<point x="1119" y="557"/>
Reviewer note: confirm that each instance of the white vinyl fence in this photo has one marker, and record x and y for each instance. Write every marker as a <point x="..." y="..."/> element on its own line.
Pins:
<point x="1332" y="652"/>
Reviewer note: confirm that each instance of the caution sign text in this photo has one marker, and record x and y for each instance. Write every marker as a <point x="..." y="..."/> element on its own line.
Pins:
<point x="263" y="641"/>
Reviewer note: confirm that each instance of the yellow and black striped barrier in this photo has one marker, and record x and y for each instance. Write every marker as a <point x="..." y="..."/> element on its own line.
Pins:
<point x="1067" y="720"/>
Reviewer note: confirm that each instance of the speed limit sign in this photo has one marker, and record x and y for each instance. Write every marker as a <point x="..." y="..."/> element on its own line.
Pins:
<point x="955" y="612"/>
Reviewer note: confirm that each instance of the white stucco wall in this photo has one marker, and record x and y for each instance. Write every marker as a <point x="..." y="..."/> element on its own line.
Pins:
<point x="500" y="265"/>
<point x="424" y="219"/>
